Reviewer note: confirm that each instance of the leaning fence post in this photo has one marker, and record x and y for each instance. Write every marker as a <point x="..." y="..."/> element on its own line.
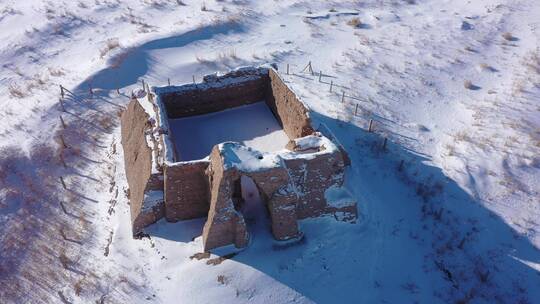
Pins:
<point x="62" y="105"/>
<point x="356" y="110"/>
<point x="63" y="183"/>
<point x="62" y="91"/>
<point x="343" y="97"/>
<point x="370" y="128"/>
<point x="63" y="207"/>
<point x="62" y="121"/>
<point x="401" y="165"/>
<point x="63" y="142"/>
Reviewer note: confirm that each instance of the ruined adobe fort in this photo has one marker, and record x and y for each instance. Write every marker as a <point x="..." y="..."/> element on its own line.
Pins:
<point x="304" y="179"/>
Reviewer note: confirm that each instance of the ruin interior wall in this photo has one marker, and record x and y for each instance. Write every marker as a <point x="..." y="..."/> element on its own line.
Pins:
<point x="288" y="109"/>
<point x="186" y="190"/>
<point x="215" y="93"/>
<point x="186" y="186"/>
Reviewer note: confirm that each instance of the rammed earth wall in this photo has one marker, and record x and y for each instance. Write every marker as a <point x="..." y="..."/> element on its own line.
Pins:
<point x="138" y="166"/>
<point x="161" y="185"/>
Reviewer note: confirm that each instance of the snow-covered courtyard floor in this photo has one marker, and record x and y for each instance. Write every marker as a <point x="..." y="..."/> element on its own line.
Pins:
<point x="449" y="210"/>
<point x="253" y="125"/>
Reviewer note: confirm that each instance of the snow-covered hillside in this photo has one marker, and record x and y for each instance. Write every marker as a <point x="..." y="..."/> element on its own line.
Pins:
<point x="449" y="209"/>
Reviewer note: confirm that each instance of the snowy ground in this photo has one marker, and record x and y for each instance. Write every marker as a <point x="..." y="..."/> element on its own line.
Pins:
<point x="449" y="210"/>
<point x="253" y="125"/>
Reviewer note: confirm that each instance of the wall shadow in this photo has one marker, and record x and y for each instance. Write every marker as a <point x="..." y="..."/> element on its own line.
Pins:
<point x="441" y="244"/>
<point x="126" y="68"/>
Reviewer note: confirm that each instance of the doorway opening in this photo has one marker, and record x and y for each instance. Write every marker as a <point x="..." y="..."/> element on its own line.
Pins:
<point x="249" y="201"/>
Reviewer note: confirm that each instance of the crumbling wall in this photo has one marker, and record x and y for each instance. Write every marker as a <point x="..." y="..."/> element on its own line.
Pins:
<point x="138" y="166"/>
<point x="290" y="112"/>
<point x="318" y="165"/>
<point x="239" y="87"/>
<point x="186" y="190"/>
<point x="225" y="224"/>
<point x="306" y="182"/>
<point x="312" y="176"/>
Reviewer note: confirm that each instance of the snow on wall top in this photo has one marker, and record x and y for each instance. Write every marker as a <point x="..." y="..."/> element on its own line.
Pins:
<point x="309" y="147"/>
<point x="236" y="155"/>
<point x="217" y="80"/>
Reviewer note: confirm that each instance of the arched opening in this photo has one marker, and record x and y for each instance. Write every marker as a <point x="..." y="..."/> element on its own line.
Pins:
<point x="252" y="204"/>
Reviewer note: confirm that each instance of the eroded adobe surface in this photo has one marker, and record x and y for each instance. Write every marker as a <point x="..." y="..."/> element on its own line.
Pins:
<point x="225" y="224"/>
<point x="304" y="179"/>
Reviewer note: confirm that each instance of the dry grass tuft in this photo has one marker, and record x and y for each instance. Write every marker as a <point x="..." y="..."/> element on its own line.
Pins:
<point x="355" y="22"/>
<point x="532" y="61"/>
<point x="16" y="91"/>
<point x="56" y="72"/>
<point x="508" y="36"/>
<point x="111" y="44"/>
<point x="223" y="279"/>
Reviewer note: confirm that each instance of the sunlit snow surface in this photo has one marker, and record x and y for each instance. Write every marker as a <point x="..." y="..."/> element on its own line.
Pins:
<point x="449" y="210"/>
<point x="253" y="125"/>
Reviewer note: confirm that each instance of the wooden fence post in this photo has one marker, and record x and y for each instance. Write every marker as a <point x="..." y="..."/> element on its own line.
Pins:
<point x="62" y="141"/>
<point x="63" y="183"/>
<point x="62" y="105"/>
<point x="169" y="81"/>
<point x="400" y="167"/>
<point x="384" y="143"/>
<point x="331" y="85"/>
<point x="63" y="207"/>
<point x="343" y="97"/>
<point x="63" y="122"/>
<point x="287" y="69"/>
<point x="320" y="76"/>
<point x="356" y="110"/>
<point x="62" y="91"/>
<point x="370" y="128"/>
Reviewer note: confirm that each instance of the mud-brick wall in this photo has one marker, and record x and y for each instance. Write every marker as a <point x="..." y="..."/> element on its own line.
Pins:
<point x="291" y="112"/>
<point x="312" y="177"/>
<point x="186" y="191"/>
<point x="216" y="94"/>
<point x="138" y="165"/>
